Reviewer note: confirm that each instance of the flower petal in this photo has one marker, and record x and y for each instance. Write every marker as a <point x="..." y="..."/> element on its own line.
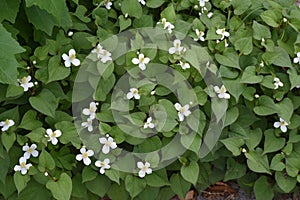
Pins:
<point x="75" y="62"/>
<point x="140" y="165"/>
<point x="276" y="124"/>
<point x="105" y="149"/>
<point x="142" y="174"/>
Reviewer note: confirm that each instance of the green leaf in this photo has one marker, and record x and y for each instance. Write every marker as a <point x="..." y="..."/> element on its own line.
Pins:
<point x="231" y="116"/>
<point x="134" y="185"/>
<point x="190" y="172"/>
<point x="263" y="189"/>
<point x="229" y="58"/>
<point x="21" y="181"/>
<point x="57" y="8"/>
<point x="234" y="87"/>
<point x="265" y="106"/>
<point x="249" y="76"/>
<point x="258" y="162"/>
<point x="279" y="57"/>
<point x="158" y="178"/>
<point x="124" y="22"/>
<point x="292" y="160"/>
<point x="260" y="31"/>
<point x="41" y="19"/>
<point x="78" y="188"/>
<point x="61" y="189"/>
<point x="99" y="185"/>
<point x="45" y="161"/>
<point x="285" y="109"/>
<point x="254" y="138"/>
<point x="113" y="175"/>
<point x="285" y="182"/>
<point x="179" y="185"/>
<point x="5" y="164"/>
<point x="272" y="143"/>
<point x="240" y="6"/>
<point x="244" y="45"/>
<point x="8" y="48"/>
<point x="277" y="162"/>
<point x="9" y="10"/>
<point x="154" y="3"/>
<point x="132" y="8"/>
<point x="55" y="70"/>
<point x="8" y="139"/>
<point x="117" y="192"/>
<point x="233" y="144"/>
<point x="29" y="121"/>
<point x="69" y="133"/>
<point x="293" y="77"/>
<point x="234" y="170"/>
<point x="45" y="102"/>
<point x="14" y="91"/>
<point x="169" y="13"/>
<point x="88" y="174"/>
<point x="104" y="87"/>
<point x="37" y="135"/>
<point x="271" y="17"/>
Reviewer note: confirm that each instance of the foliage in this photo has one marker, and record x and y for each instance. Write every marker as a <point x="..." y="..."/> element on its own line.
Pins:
<point x="256" y="55"/>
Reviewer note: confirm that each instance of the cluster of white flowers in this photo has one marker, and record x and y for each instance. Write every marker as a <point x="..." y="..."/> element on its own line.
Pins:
<point x="183" y="111"/>
<point x="282" y="124"/>
<point x="297" y="59"/>
<point x="53" y="135"/>
<point x="167" y="25"/>
<point x="277" y="83"/>
<point x="177" y="48"/>
<point x="222" y="92"/>
<point x="71" y="58"/>
<point x="108" y="143"/>
<point x="91" y="113"/>
<point x="223" y="33"/>
<point x="102" y="54"/>
<point x="6" y="124"/>
<point x="29" y="151"/>
<point x="141" y="61"/>
<point x="200" y="35"/>
<point x="25" y="83"/>
<point x="107" y="4"/>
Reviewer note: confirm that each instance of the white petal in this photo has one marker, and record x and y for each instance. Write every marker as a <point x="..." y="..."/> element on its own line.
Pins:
<point x="67" y="63"/>
<point x="35" y="153"/>
<point x="105" y="149"/>
<point x="106" y="161"/>
<point x="149" y="171"/>
<point x="277" y="124"/>
<point x="149" y="119"/>
<point x="181" y="116"/>
<point x="23" y="171"/>
<point x="90" y="128"/>
<point x="54" y="141"/>
<point x="90" y="152"/>
<point x="151" y="125"/>
<point x="142" y="66"/>
<point x="129" y="95"/>
<point x="26" y="155"/>
<point x="296" y="60"/>
<point x="142" y="174"/>
<point x="137" y="96"/>
<point x="140" y="165"/>
<point x="147" y="164"/>
<point x="146" y="60"/>
<point x="86" y="111"/>
<point x="217" y="89"/>
<point x="58" y="133"/>
<point x="135" y="61"/>
<point x="71" y="52"/>
<point x="172" y="50"/>
<point x="102" y="171"/>
<point x="186" y="113"/>
<point x="113" y="145"/>
<point x="25" y="148"/>
<point x="102" y="140"/>
<point x="177" y="106"/>
<point x="82" y="150"/>
<point x="79" y="157"/>
<point x="17" y="168"/>
<point x="226" y="96"/>
<point x="98" y="163"/>
<point x="87" y="161"/>
<point x="283" y="128"/>
<point x="65" y="56"/>
<point x="76" y="62"/>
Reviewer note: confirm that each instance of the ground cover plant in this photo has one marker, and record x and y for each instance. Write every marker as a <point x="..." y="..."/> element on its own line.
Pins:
<point x="146" y="99"/>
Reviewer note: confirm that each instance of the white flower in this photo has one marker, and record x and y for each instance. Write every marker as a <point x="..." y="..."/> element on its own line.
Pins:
<point x="25" y="83"/>
<point x="297" y="59"/>
<point x="102" y="54"/>
<point x="202" y="2"/>
<point x="152" y="92"/>
<point x="167" y="25"/>
<point x="277" y="83"/>
<point x="107" y="144"/>
<point x="88" y="124"/>
<point x="256" y="96"/>
<point x="141" y="61"/>
<point x="200" y="35"/>
<point x="177" y="48"/>
<point x="226" y="44"/>
<point x="223" y="33"/>
<point x="144" y="169"/>
<point x="23" y="167"/>
<point x="282" y="124"/>
<point x="107" y="4"/>
<point x="85" y="154"/>
<point x="30" y="151"/>
<point x="103" y="165"/>
<point x="70" y="33"/>
<point x="133" y="92"/>
<point x="244" y="150"/>
<point x="6" y="124"/>
<point x="210" y="14"/>
<point x="222" y="92"/>
<point x="184" y="65"/>
<point x="91" y="111"/>
<point x="148" y="123"/>
<point x="71" y="58"/>
<point x="284" y="20"/>
<point x="262" y="64"/>
<point x="182" y="111"/>
<point x="53" y="135"/>
<point x="143" y="2"/>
